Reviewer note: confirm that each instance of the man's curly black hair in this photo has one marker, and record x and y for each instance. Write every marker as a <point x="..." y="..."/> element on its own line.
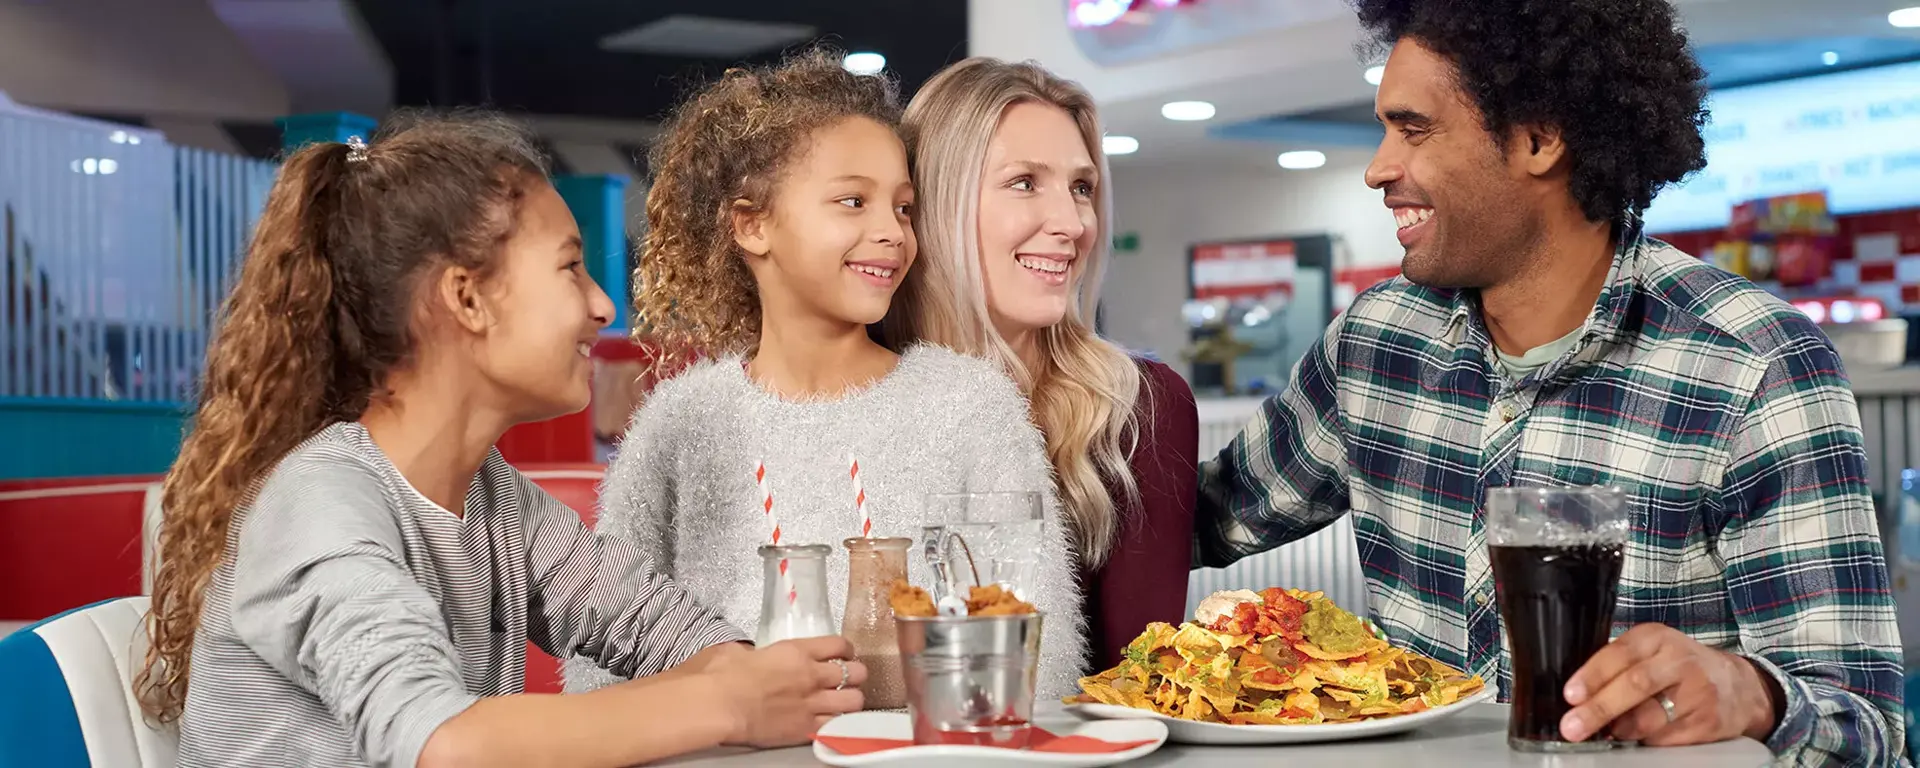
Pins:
<point x="1615" y="76"/>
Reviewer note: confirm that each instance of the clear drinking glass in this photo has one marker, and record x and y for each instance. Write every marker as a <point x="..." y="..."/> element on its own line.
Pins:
<point x="985" y="538"/>
<point x="793" y="600"/>
<point x="1557" y="555"/>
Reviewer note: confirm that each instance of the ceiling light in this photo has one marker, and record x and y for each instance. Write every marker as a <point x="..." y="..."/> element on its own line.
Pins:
<point x="1099" y="13"/>
<point x="1830" y="58"/>
<point x="864" y="63"/>
<point x="1905" y="17"/>
<point x="705" y="37"/>
<point x="1301" y="160"/>
<point x="1119" y="145"/>
<point x="107" y="165"/>
<point x="1187" y="110"/>
<point x="1375" y="73"/>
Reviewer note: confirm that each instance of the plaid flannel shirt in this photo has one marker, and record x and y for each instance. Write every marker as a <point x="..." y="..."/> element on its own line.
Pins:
<point x="1721" y="410"/>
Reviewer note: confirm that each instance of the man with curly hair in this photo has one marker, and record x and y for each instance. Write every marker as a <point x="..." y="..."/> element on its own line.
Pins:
<point x="1539" y="337"/>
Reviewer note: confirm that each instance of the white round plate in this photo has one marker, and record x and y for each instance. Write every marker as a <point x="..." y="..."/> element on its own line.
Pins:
<point x="1194" y="732"/>
<point x="895" y="725"/>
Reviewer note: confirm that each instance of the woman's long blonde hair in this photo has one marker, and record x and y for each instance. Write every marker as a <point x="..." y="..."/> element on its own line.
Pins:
<point x="1084" y="395"/>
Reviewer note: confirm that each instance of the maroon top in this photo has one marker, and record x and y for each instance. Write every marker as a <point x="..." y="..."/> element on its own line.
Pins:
<point x="1145" y="577"/>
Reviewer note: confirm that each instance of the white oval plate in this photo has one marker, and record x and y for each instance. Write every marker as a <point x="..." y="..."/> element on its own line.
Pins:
<point x="895" y="725"/>
<point x="1194" y="732"/>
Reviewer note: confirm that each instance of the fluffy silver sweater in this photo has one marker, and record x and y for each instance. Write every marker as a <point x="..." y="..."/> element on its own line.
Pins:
<point x="682" y="488"/>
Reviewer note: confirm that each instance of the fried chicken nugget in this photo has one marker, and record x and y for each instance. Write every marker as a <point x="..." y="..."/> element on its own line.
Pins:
<point x="991" y="600"/>
<point x="909" y="600"/>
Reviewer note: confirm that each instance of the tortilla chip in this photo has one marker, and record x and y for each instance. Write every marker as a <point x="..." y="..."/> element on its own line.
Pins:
<point x="1309" y="649"/>
<point x="1273" y="675"/>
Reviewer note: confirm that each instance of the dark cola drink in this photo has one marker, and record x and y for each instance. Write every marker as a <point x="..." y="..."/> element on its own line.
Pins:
<point x="1557" y="604"/>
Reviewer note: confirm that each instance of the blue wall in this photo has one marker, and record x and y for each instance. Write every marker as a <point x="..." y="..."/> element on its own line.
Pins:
<point x="599" y="206"/>
<point x="50" y="437"/>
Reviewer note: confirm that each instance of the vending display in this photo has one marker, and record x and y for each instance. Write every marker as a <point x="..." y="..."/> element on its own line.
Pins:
<point x="1253" y="307"/>
<point x="1787" y="239"/>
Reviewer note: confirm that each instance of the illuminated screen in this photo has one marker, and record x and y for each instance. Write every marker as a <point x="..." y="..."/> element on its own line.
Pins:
<point x="1855" y="134"/>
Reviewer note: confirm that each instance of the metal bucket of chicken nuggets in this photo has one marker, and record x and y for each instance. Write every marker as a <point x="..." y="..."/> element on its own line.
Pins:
<point x="970" y="679"/>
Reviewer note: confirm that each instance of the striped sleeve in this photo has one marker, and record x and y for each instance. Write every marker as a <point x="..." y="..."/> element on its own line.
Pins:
<point x="1284" y="476"/>
<point x="322" y="594"/>
<point x="597" y="597"/>
<point x="1805" y="571"/>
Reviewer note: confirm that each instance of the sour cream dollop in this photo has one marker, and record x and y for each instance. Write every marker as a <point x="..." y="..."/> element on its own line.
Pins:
<point x="1221" y="604"/>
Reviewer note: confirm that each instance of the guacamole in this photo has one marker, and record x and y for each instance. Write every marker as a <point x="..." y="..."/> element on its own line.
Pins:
<point x="1333" y="629"/>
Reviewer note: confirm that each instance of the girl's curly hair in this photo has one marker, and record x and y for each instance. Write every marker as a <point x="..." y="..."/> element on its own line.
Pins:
<point x="724" y="150"/>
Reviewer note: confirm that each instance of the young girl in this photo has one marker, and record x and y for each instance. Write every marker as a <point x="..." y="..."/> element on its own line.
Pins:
<point x="779" y="228"/>
<point x="349" y="572"/>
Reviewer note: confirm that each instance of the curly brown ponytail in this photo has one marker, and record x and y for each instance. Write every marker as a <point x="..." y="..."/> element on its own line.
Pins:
<point x="321" y="314"/>
<point x="725" y="148"/>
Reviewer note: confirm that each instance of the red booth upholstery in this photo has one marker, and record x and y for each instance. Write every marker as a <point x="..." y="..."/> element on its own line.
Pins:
<point x="69" y="542"/>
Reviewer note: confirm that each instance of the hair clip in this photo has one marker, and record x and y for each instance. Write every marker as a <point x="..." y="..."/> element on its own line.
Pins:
<point x="356" y="150"/>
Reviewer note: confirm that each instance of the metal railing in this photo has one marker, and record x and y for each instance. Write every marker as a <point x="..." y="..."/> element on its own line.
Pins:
<point x="115" y="249"/>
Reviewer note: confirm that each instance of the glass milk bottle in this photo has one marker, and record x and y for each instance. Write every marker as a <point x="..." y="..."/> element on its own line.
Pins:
<point x="793" y="603"/>
<point x="873" y="565"/>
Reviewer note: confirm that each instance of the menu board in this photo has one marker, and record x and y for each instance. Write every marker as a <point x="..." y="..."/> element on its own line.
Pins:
<point x="1855" y="135"/>
<point x="1244" y="270"/>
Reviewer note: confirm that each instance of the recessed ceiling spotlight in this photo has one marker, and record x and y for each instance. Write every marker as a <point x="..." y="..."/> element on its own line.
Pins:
<point x="1830" y="58"/>
<point x="1119" y="145"/>
<point x="1905" y="18"/>
<point x="1375" y="73"/>
<point x="864" y="63"/>
<point x="1301" y="160"/>
<point x="1187" y="110"/>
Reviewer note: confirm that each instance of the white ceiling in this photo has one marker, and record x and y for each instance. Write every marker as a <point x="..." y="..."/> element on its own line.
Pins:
<point x="1315" y="66"/>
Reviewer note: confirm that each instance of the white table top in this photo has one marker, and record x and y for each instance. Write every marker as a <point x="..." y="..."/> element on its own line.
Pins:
<point x="1477" y="737"/>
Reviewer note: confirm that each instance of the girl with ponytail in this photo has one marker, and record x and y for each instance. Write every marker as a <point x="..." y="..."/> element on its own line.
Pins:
<point x="349" y="573"/>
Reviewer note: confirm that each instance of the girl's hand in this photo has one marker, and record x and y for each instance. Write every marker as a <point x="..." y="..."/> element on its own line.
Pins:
<point x="715" y="658"/>
<point x="780" y="695"/>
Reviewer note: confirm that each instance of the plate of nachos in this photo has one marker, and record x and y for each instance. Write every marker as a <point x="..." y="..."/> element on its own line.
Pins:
<point x="1275" y="667"/>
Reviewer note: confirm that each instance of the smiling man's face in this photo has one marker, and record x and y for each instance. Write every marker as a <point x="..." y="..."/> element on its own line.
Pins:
<point x="1462" y="205"/>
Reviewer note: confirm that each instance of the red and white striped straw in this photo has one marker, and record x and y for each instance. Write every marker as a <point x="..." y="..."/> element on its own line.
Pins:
<point x="773" y="521"/>
<point x="860" y="498"/>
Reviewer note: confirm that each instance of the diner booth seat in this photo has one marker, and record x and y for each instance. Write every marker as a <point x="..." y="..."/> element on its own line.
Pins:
<point x="68" y="701"/>
<point x="69" y="542"/>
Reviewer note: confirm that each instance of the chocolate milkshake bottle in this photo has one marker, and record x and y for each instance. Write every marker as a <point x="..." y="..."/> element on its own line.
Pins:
<point x="873" y="565"/>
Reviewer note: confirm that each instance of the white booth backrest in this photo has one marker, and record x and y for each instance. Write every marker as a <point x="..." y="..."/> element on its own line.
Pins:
<point x="1327" y="561"/>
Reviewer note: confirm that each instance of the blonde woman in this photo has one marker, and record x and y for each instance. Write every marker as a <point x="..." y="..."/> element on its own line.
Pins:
<point x="1013" y="228"/>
